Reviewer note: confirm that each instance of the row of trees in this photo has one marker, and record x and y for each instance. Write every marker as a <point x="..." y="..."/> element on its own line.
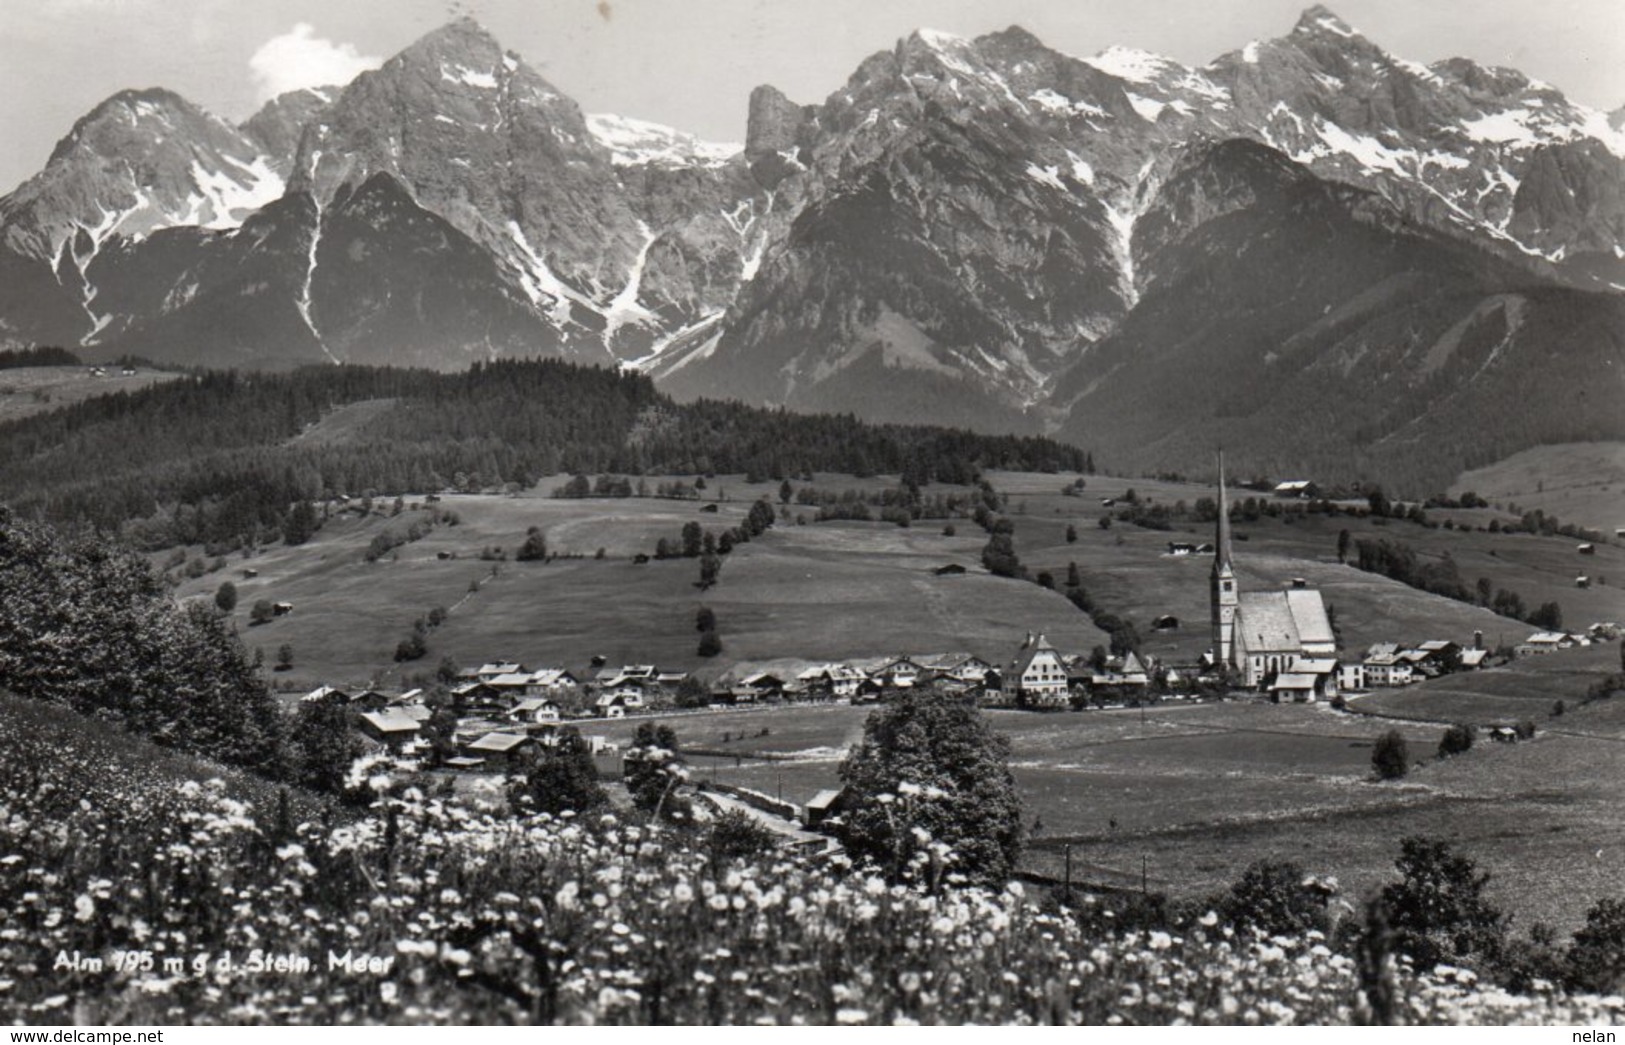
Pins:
<point x="215" y="458"/>
<point x="1399" y="561"/>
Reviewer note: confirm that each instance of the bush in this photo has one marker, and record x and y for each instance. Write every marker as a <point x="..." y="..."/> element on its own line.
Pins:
<point x="225" y="597"/>
<point x="1457" y="740"/>
<point x="735" y="835"/>
<point x="1277" y="898"/>
<point x="1391" y="756"/>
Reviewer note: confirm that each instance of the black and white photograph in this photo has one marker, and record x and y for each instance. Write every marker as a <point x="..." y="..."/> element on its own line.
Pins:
<point x="811" y="512"/>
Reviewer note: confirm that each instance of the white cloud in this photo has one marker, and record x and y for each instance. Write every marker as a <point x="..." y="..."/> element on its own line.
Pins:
<point x="300" y="58"/>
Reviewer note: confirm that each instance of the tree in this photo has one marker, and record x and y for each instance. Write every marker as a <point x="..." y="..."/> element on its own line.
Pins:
<point x="1391" y="756"/>
<point x="413" y="647"/>
<point x="284" y="656"/>
<point x="301" y="524"/>
<point x="710" y="568"/>
<point x="1343" y="541"/>
<point x="440" y="730"/>
<point x="535" y="546"/>
<point x="1437" y="909"/>
<point x="325" y="745"/>
<point x="1596" y="959"/>
<point x="999" y="556"/>
<point x="786" y="491"/>
<point x="693" y="539"/>
<point x="705" y="619"/>
<point x="692" y="693"/>
<point x="225" y="597"/>
<point x="930" y="761"/>
<point x="653" y="769"/>
<point x="561" y="777"/>
<point x="710" y="645"/>
<point x="1073" y="578"/>
<point x="1071" y="534"/>
<point x="1549" y="616"/>
<point x="262" y="612"/>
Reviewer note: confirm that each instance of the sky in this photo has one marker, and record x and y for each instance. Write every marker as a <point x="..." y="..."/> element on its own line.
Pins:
<point x="692" y="63"/>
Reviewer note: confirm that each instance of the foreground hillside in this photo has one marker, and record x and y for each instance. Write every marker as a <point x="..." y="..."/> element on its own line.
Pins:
<point x="423" y="912"/>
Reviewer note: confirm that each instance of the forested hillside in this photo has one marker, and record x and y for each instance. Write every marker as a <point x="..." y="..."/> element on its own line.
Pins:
<point x="222" y="456"/>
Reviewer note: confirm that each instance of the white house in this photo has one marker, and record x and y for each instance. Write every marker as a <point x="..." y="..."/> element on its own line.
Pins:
<point x="1039" y="674"/>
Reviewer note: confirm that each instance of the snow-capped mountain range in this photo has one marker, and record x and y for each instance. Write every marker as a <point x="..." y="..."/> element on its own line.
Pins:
<point x="979" y="223"/>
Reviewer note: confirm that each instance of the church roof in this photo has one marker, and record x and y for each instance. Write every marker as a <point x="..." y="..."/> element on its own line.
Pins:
<point x="1282" y="621"/>
<point x="1310" y="613"/>
<point x="1265" y="624"/>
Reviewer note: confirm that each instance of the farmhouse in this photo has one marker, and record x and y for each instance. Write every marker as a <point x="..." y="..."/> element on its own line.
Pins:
<point x="1039" y="674"/>
<point x="1388" y="669"/>
<point x="500" y="748"/>
<point x="534" y="710"/>
<point x="1543" y="642"/>
<point x="1298" y="488"/>
<point x="957" y="667"/>
<point x="1262" y="634"/>
<point x="393" y="727"/>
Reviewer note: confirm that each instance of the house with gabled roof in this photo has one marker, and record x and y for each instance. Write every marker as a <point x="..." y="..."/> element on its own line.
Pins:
<point x="501" y="748"/>
<point x="330" y="694"/>
<point x="533" y="710"/>
<point x="1038" y="674"/>
<point x="394" y="726"/>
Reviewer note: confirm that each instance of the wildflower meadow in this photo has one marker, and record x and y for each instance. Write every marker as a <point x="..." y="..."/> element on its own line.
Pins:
<point x="211" y="901"/>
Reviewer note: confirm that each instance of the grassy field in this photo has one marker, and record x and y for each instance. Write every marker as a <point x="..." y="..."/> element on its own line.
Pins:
<point x="1127" y="568"/>
<point x="840" y="590"/>
<point x="1199" y="791"/>
<point x="1521" y="690"/>
<point x="821" y="591"/>
<point x="30" y="390"/>
<point x="1582" y="483"/>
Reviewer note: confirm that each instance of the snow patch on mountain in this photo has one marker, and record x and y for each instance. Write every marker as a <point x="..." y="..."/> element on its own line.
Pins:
<point x="1131" y="64"/>
<point x="469" y="77"/>
<point x="1046" y="175"/>
<point x="632" y="142"/>
<point x="625" y="308"/>
<point x="227" y="198"/>
<point x="1148" y="109"/>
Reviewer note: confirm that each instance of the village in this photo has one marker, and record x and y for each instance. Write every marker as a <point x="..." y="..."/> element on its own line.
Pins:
<point x="1277" y="646"/>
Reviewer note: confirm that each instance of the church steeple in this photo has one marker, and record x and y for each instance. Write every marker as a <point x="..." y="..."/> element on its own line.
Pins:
<point x="1224" y="597"/>
<point x="1221" y="541"/>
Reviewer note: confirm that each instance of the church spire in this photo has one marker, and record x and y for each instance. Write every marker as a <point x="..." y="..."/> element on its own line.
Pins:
<point x="1225" y="597"/>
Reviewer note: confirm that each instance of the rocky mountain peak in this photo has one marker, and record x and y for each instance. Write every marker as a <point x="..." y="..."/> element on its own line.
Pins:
<point x="774" y="123"/>
<point x="1319" y="20"/>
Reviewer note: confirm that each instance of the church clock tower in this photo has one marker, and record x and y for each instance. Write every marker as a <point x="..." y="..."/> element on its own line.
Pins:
<point x="1223" y="597"/>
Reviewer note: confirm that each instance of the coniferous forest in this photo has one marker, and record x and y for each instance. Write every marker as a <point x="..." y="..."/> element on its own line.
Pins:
<point x="217" y="457"/>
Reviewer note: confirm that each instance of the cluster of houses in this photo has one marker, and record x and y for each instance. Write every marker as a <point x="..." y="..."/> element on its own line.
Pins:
<point x="1551" y="641"/>
<point x="503" y="712"/>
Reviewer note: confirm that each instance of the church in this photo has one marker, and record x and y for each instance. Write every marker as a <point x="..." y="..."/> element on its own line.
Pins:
<point x="1263" y="636"/>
